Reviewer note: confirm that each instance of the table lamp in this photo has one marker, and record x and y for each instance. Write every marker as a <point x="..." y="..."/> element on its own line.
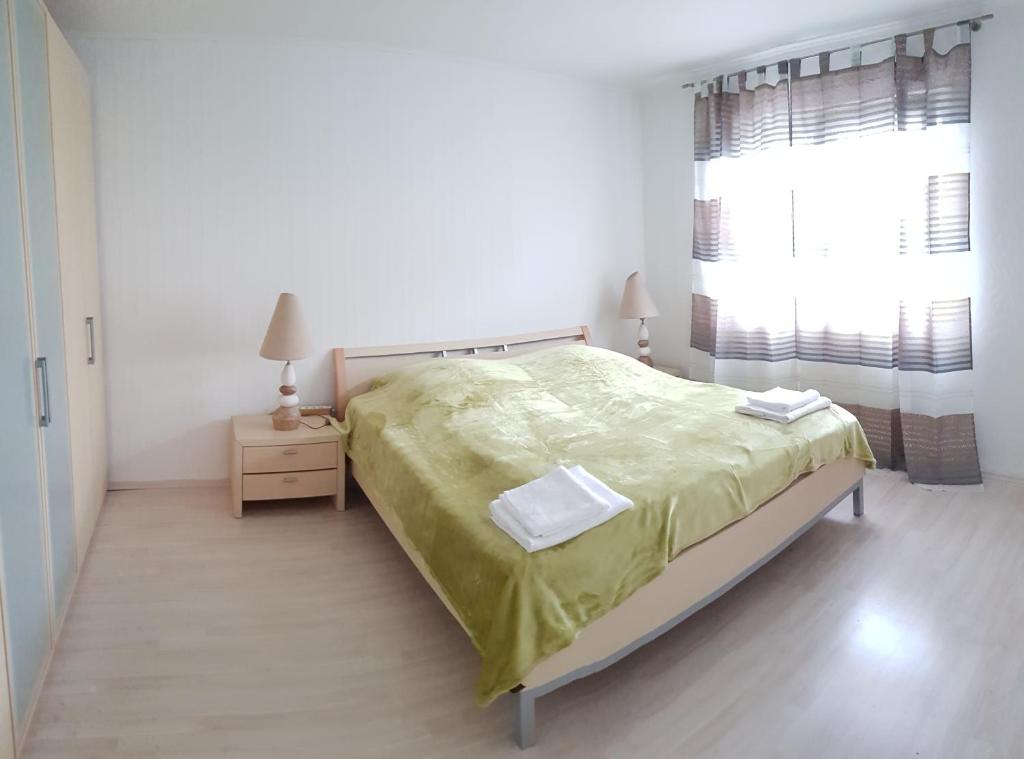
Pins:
<point x="637" y="304"/>
<point x="287" y="340"/>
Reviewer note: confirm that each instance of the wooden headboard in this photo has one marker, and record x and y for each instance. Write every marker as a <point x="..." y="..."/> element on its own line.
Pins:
<point x="356" y="368"/>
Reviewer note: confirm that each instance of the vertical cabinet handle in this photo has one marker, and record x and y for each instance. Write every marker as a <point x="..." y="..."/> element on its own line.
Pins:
<point x="90" y="329"/>
<point x="44" y="383"/>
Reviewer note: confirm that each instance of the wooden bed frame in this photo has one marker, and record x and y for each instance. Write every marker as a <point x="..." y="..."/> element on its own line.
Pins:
<point x="695" y="578"/>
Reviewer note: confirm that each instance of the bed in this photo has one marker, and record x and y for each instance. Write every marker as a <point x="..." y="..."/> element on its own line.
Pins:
<point x="717" y="495"/>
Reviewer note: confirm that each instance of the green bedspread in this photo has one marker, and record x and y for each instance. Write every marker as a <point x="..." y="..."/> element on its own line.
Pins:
<point x="441" y="439"/>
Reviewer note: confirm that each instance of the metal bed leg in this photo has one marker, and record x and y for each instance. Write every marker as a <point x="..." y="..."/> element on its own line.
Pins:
<point x="858" y="499"/>
<point x="525" y="734"/>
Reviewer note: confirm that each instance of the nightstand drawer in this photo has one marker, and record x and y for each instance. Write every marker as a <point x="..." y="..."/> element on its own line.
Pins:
<point x="261" y="487"/>
<point x="289" y="458"/>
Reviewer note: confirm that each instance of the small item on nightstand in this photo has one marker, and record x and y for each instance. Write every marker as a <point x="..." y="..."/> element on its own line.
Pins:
<point x="316" y="410"/>
<point x="287" y="340"/>
<point x="638" y="304"/>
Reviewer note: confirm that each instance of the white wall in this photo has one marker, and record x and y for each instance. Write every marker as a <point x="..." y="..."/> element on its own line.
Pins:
<point x="667" y="118"/>
<point x="997" y="237"/>
<point x="997" y="222"/>
<point x="404" y="197"/>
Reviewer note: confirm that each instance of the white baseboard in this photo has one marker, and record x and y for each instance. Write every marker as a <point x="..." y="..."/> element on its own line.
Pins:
<point x="1002" y="477"/>
<point x="152" y="484"/>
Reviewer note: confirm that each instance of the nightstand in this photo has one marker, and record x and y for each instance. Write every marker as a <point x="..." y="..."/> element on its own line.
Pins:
<point x="675" y="371"/>
<point x="267" y="464"/>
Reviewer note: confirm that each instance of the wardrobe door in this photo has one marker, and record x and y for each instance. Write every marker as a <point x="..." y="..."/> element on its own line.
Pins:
<point x="32" y="110"/>
<point x="26" y="615"/>
<point x="71" y="116"/>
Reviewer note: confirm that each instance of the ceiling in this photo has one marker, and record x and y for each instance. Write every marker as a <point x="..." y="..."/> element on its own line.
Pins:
<point x="623" y="41"/>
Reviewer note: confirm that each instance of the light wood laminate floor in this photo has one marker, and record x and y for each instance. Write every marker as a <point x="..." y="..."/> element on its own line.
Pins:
<point x="300" y="631"/>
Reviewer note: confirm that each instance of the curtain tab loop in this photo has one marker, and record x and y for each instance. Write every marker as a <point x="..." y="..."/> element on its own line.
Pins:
<point x="964" y="29"/>
<point x="901" y="45"/>
<point x="929" y="40"/>
<point x="824" y="61"/>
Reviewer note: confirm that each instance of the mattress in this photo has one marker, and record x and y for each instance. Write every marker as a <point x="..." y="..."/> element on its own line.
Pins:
<point x="441" y="439"/>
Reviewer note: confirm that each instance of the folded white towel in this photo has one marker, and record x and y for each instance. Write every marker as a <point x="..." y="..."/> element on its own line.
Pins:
<point x="551" y="503"/>
<point x="617" y="503"/>
<point x="782" y="401"/>
<point x="792" y="416"/>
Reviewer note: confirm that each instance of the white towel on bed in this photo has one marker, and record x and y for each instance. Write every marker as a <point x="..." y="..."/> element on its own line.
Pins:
<point x="782" y="401"/>
<point x="503" y="516"/>
<point x="551" y="503"/>
<point x="792" y="416"/>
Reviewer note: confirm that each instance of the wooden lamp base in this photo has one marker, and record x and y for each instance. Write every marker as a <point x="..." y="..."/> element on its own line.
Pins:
<point x="287" y="418"/>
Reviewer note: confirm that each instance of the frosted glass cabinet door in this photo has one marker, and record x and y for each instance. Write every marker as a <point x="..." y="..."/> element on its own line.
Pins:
<point x="37" y="166"/>
<point x="26" y="598"/>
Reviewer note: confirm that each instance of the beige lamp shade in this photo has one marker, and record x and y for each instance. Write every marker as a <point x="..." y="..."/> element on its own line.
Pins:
<point x="636" y="301"/>
<point x="287" y="336"/>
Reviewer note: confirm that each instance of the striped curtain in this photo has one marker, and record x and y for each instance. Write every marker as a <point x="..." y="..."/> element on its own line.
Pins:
<point x="831" y="243"/>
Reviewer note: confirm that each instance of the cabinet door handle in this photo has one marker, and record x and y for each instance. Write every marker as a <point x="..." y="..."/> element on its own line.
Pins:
<point x="44" y="392"/>
<point x="90" y="330"/>
<point x="289" y="452"/>
<point x="291" y="479"/>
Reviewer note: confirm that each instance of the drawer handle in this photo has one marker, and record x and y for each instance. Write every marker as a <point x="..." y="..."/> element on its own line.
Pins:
<point x="289" y="452"/>
<point x="44" y="384"/>
<point x="291" y="479"/>
<point x="90" y="328"/>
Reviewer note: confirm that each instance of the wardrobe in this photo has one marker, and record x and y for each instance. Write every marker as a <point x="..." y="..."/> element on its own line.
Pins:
<point x="53" y="441"/>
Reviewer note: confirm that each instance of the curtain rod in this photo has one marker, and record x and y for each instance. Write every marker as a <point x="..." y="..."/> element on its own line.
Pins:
<point x="974" y="24"/>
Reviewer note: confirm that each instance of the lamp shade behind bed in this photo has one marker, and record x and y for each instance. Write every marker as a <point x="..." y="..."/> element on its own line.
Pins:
<point x="638" y="304"/>
<point x="288" y="340"/>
